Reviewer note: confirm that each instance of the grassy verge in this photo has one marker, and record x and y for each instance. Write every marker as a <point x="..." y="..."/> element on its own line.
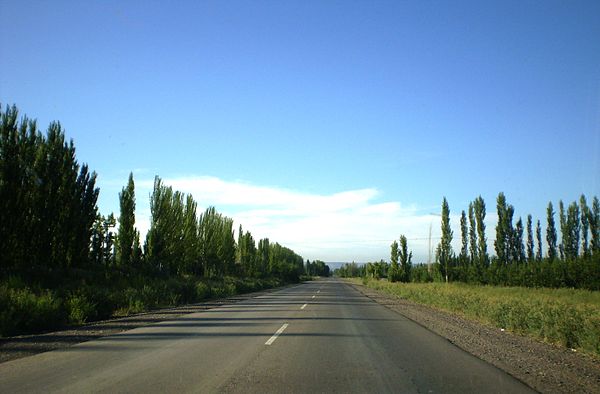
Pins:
<point x="567" y="317"/>
<point x="26" y="310"/>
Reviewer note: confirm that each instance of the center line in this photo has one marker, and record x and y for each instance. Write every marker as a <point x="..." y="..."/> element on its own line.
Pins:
<point x="277" y="333"/>
<point x="303" y="306"/>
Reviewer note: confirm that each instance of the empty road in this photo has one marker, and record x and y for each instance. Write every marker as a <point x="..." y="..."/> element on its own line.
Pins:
<point x="321" y="336"/>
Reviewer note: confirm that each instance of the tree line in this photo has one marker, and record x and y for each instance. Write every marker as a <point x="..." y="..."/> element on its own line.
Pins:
<point x="50" y="225"/>
<point x="524" y="256"/>
<point x="63" y="262"/>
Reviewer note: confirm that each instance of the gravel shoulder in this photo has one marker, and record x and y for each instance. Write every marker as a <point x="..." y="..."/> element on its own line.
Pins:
<point x="544" y="367"/>
<point x="12" y="348"/>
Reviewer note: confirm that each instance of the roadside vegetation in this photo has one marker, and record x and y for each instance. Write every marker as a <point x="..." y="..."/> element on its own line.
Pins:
<point x="521" y="259"/>
<point x="567" y="317"/>
<point x="64" y="263"/>
<point x="548" y="290"/>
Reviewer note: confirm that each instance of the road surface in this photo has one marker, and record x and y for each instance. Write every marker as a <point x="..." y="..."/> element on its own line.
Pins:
<point x="321" y="336"/>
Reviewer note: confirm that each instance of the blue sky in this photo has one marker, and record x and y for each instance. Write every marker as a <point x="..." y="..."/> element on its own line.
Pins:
<point x="329" y="126"/>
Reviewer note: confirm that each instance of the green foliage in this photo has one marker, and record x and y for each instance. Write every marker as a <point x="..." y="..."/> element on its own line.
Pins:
<point x="62" y="262"/>
<point x="47" y="200"/>
<point x="126" y="246"/>
<point x="444" y="251"/>
<point x="80" y="309"/>
<point x="551" y="232"/>
<point x="23" y="311"/>
<point x="317" y="268"/>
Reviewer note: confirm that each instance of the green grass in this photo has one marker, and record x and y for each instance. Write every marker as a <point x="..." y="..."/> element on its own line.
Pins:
<point x="26" y="310"/>
<point x="567" y="317"/>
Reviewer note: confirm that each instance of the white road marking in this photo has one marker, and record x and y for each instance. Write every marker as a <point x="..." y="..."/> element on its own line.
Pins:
<point x="313" y="296"/>
<point x="277" y="333"/>
<point x="303" y="306"/>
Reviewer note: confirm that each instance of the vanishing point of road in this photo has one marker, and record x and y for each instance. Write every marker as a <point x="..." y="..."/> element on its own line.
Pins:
<point x="320" y="336"/>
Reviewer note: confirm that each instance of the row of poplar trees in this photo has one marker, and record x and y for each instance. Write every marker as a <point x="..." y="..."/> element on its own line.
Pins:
<point x="51" y="230"/>
<point x="522" y="257"/>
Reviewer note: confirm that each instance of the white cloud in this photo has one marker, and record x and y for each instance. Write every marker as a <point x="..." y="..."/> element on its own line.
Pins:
<point x="345" y="226"/>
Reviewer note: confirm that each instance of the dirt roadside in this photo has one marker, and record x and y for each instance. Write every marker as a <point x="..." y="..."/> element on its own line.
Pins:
<point x="27" y="345"/>
<point x="544" y="367"/>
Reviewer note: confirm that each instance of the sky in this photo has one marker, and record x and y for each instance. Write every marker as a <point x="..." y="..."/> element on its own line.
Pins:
<point x="331" y="127"/>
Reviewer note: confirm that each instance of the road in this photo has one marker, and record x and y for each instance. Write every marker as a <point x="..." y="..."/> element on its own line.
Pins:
<point x="321" y="336"/>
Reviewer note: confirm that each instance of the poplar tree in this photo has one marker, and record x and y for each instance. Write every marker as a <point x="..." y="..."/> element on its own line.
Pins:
<point x="464" y="233"/>
<point x="585" y="226"/>
<point x="191" y="251"/>
<point x="530" y="253"/>
<point x="573" y="230"/>
<point x="551" y="233"/>
<point x="263" y="256"/>
<point x="503" y="242"/>
<point x="518" y="247"/>
<point x="481" y="237"/>
<point x="563" y="229"/>
<point x="127" y="232"/>
<point x="472" y="235"/>
<point x="445" y="246"/>
<point x="405" y="259"/>
<point x="594" y="220"/>
<point x="394" y="268"/>
<point x="538" y="235"/>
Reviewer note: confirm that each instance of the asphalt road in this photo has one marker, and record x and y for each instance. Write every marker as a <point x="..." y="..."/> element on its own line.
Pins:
<point x="321" y="336"/>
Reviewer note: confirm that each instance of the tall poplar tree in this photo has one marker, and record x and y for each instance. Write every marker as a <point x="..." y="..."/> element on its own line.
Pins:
<point x="481" y="237"/>
<point x="394" y="268"/>
<point x="594" y="220"/>
<point x="472" y="235"/>
<point x="518" y="247"/>
<point x="538" y="235"/>
<point x="464" y="235"/>
<point x="530" y="253"/>
<point x="445" y="246"/>
<point x="127" y="231"/>
<point x="585" y="226"/>
<point x="551" y="237"/>
<point x="405" y="259"/>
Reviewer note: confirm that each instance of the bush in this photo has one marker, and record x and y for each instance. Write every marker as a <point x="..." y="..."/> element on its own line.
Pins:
<point x="80" y="309"/>
<point x="22" y="311"/>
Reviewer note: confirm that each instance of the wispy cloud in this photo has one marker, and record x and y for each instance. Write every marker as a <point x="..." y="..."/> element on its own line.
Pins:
<point x="345" y="226"/>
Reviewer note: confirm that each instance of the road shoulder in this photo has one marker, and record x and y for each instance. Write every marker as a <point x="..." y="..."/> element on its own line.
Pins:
<point x="12" y="348"/>
<point x="542" y="366"/>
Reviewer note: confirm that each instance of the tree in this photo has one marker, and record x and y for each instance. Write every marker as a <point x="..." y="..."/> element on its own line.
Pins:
<point x="573" y="231"/>
<point x="263" y="256"/>
<point x="445" y="245"/>
<point x="405" y="260"/>
<point x="517" y="242"/>
<point x="472" y="235"/>
<point x="585" y="226"/>
<point x="127" y="231"/>
<point x="504" y="231"/>
<point x="551" y="233"/>
<point x="393" y="273"/>
<point x="538" y="235"/>
<point x="464" y="234"/>
<point x="563" y="229"/>
<point x="530" y="253"/>
<point x="479" y="208"/>
<point x="47" y="200"/>
<point x="594" y="220"/>
<point x="191" y="251"/>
